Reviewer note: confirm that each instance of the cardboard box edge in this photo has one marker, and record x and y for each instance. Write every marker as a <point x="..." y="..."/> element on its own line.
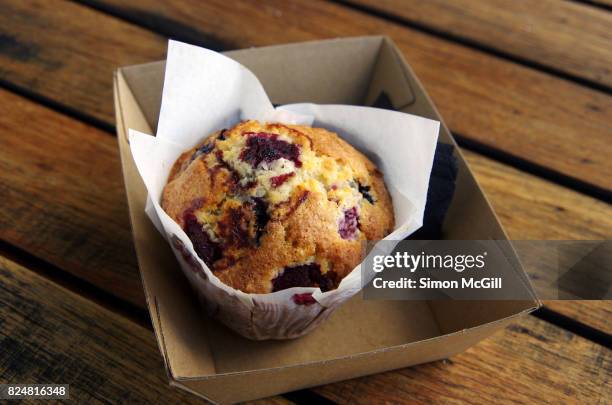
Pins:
<point x="122" y="137"/>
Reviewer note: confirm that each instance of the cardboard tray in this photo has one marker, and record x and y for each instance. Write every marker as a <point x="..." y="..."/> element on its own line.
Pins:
<point x="360" y="338"/>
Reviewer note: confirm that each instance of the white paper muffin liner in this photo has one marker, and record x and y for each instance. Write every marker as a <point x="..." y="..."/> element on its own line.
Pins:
<point x="204" y="92"/>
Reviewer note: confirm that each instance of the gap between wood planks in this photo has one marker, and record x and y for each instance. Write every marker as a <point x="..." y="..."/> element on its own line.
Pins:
<point x="59" y="107"/>
<point x="602" y="4"/>
<point x="530" y="167"/>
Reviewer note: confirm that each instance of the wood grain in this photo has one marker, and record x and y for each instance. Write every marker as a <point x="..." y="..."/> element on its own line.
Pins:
<point x="50" y="334"/>
<point x="66" y="202"/>
<point x="532" y="209"/>
<point x="521" y="111"/>
<point x="529" y="362"/>
<point x="63" y="198"/>
<point x="66" y="205"/>
<point x="67" y="53"/>
<point x="566" y="36"/>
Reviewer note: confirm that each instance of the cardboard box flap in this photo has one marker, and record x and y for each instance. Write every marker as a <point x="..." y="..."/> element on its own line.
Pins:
<point x="224" y="388"/>
<point x="338" y="72"/>
<point x="147" y="82"/>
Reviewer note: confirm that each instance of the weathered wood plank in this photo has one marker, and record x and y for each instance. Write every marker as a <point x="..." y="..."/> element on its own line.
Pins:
<point x="51" y="335"/>
<point x="590" y="393"/>
<point x="66" y="202"/>
<point x="67" y="53"/>
<point x="63" y="198"/>
<point x="530" y="208"/>
<point x="529" y="362"/>
<point x="566" y="36"/>
<point x="524" y="112"/>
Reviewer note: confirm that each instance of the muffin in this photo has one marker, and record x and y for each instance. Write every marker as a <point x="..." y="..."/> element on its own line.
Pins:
<point x="274" y="206"/>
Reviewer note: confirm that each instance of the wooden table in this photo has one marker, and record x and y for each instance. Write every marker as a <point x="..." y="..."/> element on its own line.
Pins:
<point x="525" y="86"/>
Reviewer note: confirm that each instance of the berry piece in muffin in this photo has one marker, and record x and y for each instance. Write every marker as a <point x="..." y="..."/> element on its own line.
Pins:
<point x="272" y="206"/>
<point x="265" y="147"/>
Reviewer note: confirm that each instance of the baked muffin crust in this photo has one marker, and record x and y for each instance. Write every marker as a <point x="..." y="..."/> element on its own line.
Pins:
<point x="273" y="206"/>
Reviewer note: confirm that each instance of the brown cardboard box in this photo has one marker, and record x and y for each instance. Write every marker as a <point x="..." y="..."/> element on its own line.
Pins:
<point x="362" y="337"/>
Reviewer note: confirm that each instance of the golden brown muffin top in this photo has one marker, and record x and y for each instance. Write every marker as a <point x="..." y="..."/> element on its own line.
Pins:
<point x="273" y="206"/>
